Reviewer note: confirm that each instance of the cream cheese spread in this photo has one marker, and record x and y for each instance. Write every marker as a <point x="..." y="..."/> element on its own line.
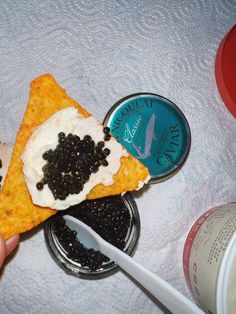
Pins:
<point x="141" y="183"/>
<point x="5" y="157"/>
<point x="45" y="137"/>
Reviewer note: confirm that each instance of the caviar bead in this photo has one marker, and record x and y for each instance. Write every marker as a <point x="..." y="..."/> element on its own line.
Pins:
<point x="107" y="137"/>
<point x="87" y="138"/>
<point x="100" y="145"/>
<point x="104" y="162"/>
<point x="77" y="174"/>
<point x="106" y="129"/>
<point x="39" y="186"/>
<point x="106" y="151"/>
<point x="86" y="177"/>
<point x="62" y="197"/>
<point x="70" y="137"/>
<point x="47" y="154"/>
<point x="61" y="137"/>
<point x="94" y="169"/>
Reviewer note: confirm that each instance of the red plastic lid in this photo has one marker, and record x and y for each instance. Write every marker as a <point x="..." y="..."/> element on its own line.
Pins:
<point x="225" y="70"/>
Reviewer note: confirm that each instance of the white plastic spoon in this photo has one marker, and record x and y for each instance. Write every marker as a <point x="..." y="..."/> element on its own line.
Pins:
<point x="165" y="293"/>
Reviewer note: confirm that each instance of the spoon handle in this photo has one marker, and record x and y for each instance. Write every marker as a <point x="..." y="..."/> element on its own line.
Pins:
<point x="164" y="292"/>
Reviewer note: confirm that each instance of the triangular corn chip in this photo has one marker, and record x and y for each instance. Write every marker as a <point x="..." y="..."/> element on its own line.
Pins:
<point x="17" y="212"/>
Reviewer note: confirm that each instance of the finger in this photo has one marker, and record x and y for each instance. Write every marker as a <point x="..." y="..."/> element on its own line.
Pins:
<point x="12" y="243"/>
<point x="3" y="250"/>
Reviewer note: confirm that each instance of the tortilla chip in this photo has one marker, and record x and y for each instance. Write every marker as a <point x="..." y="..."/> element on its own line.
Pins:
<point x="17" y="212"/>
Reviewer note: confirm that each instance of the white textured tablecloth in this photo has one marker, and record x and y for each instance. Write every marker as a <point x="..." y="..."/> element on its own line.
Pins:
<point x="100" y="51"/>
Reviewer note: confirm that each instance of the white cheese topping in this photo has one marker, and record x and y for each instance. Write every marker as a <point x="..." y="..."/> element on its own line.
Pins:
<point x="5" y="157"/>
<point x="45" y="137"/>
<point x="141" y="183"/>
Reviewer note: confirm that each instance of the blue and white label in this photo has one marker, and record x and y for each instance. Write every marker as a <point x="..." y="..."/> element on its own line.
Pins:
<point x="153" y="130"/>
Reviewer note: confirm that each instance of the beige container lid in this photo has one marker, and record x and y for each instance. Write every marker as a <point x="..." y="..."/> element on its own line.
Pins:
<point x="224" y="279"/>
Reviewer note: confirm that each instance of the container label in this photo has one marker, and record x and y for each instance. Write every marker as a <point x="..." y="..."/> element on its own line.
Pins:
<point x="153" y="130"/>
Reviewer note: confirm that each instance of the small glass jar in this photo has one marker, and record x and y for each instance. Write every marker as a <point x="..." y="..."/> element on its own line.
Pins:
<point x="60" y="254"/>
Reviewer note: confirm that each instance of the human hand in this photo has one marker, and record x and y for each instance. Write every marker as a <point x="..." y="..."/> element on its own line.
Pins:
<point x="7" y="246"/>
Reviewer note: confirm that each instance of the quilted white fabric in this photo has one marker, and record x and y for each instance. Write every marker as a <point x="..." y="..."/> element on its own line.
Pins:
<point x="101" y="51"/>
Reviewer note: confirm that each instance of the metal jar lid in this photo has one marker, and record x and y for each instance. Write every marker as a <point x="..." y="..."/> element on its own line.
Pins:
<point x="61" y="257"/>
<point x="154" y="130"/>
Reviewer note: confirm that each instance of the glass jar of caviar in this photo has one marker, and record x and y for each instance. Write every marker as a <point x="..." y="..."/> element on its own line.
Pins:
<point x="115" y="218"/>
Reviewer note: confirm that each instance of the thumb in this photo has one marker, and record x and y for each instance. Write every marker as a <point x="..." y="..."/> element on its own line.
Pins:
<point x="3" y="250"/>
<point x="12" y="243"/>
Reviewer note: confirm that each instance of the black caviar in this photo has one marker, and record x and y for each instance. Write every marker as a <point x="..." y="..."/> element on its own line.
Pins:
<point x="106" y="130"/>
<point x="71" y="163"/>
<point x="108" y="216"/>
<point x="107" y="135"/>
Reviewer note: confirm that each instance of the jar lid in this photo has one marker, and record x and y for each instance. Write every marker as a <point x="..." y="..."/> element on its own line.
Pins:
<point x="225" y="67"/>
<point x="154" y="130"/>
<point x="110" y="217"/>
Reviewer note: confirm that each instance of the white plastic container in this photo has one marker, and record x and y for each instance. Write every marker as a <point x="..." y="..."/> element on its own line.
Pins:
<point x="209" y="260"/>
